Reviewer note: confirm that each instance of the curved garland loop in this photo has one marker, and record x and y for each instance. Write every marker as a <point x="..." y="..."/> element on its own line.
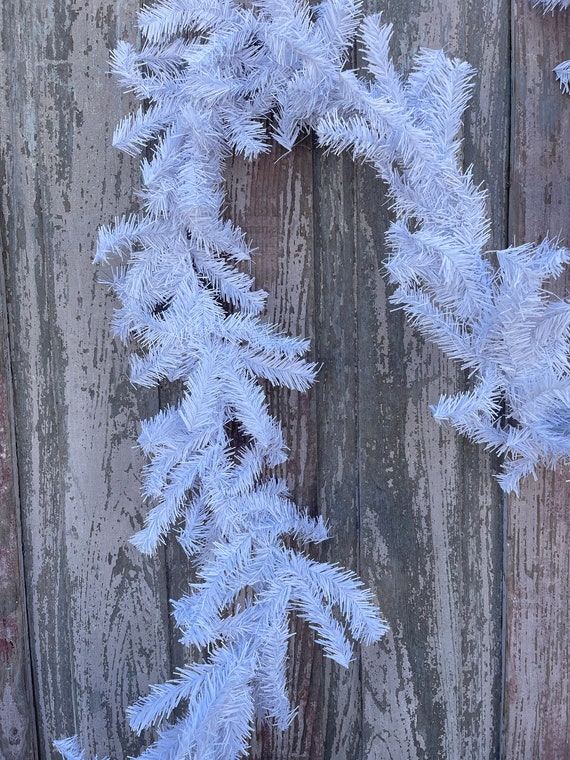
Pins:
<point x="210" y="73"/>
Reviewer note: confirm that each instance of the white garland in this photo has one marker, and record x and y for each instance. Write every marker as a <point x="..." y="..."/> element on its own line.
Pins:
<point x="210" y="74"/>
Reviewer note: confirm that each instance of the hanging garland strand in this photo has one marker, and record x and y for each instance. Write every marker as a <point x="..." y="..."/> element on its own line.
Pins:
<point x="210" y="73"/>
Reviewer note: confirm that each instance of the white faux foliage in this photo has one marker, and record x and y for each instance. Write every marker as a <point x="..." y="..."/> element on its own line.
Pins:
<point x="70" y="749"/>
<point x="562" y="71"/>
<point x="211" y="74"/>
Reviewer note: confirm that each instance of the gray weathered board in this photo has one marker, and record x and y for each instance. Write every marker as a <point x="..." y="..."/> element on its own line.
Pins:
<point x="477" y="661"/>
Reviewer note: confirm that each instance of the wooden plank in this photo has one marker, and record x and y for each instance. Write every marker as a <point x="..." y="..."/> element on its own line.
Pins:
<point x="538" y="570"/>
<point x="337" y="432"/>
<point x="271" y="199"/>
<point x="97" y="609"/>
<point x="17" y="727"/>
<point x="418" y="513"/>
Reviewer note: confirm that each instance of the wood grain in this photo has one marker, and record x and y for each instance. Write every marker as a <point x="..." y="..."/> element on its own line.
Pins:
<point x="271" y="199"/>
<point x="97" y="609"/>
<point x="415" y="508"/>
<point x="17" y="724"/>
<point x="337" y="429"/>
<point x="537" y="699"/>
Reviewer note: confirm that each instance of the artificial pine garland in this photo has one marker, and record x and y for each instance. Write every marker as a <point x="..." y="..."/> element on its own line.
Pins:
<point x="212" y="75"/>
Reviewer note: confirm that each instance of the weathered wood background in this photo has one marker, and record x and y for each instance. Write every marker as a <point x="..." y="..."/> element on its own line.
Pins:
<point x="477" y="663"/>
